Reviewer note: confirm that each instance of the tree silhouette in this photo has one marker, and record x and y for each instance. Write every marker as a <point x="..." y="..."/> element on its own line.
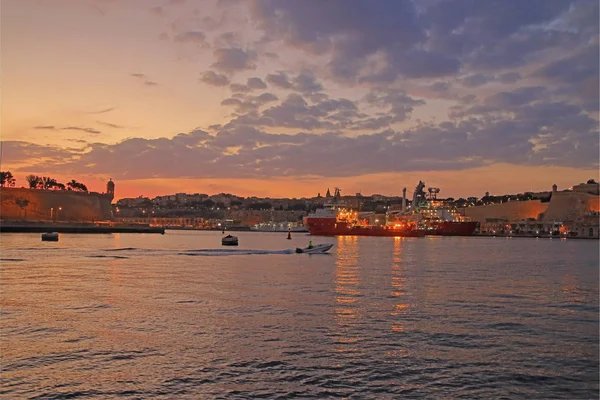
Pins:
<point x="34" y="181"/>
<point x="76" y="186"/>
<point x="7" y="179"/>
<point x="48" y="183"/>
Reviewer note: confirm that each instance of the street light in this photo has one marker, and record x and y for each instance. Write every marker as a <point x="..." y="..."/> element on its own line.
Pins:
<point x="59" y="209"/>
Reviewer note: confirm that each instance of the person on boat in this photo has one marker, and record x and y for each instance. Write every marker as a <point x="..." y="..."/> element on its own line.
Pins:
<point x="310" y="246"/>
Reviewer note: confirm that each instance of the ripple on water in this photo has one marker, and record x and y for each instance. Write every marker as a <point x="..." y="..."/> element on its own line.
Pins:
<point x="443" y="318"/>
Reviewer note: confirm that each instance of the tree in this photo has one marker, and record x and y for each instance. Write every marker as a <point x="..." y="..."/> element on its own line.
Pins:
<point x="48" y="183"/>
<point x="7" y="179"/>
<point x="22" y="203"/>
<point x="76" y="186"/>
<point x="34" y="181"/>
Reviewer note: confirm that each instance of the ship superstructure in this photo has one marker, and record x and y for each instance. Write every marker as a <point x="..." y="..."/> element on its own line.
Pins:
<point x="438" y="217"/>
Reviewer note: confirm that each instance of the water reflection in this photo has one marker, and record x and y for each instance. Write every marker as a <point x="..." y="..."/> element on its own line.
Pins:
<point x="398" y="287"/>
<point x="347" y="291"/>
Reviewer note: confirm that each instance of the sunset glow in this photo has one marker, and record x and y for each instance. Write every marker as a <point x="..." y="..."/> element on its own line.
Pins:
<point x="287" y="98"/>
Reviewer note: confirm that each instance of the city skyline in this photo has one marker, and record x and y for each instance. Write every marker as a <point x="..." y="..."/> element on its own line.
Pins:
<point x="287" y="98"/>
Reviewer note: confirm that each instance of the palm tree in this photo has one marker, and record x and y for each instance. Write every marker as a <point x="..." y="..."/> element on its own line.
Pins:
<point x="76" y="186"/>
<point x="6" y="178"/>
<point x="73" y="185"/>
<point x="48" y="183"/>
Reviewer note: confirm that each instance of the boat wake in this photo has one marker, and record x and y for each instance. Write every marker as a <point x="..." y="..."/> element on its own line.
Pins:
<point x="131" y="251"/>
<point x="232" y="252"/>
<point x="104" y="256"/>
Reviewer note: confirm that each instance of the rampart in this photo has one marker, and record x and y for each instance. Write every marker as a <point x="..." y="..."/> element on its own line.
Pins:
<point x="57" y="205"/>
<point x="563" y="206"/>
<point x="570" y="206"/>
<point x="511" y="211"/>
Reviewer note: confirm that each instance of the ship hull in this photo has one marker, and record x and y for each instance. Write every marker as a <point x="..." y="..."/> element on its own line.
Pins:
<point x="329" y="227"/>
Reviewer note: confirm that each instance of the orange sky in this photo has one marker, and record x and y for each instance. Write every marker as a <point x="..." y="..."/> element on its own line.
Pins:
<point x="96" y="89"/>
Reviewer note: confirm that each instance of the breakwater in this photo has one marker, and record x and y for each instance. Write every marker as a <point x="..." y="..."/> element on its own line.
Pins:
<point x="24" y="227"/>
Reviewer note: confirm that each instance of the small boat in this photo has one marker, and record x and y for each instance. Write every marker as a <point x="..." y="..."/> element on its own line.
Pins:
<point x="50" y="237"/>
<point x="229" y="241"/>
<point x="316" y="249"/>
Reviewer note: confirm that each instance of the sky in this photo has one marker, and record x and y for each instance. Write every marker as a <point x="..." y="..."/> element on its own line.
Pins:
<point x="286" y="98"/>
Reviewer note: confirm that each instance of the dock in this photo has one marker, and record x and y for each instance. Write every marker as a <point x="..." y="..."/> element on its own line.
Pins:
<point x="41" y="227"/>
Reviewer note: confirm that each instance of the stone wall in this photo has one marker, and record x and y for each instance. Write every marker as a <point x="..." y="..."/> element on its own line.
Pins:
<point x="60" y="205"/>
<point x="563" y="206"/>
<point x="511" y="211"/>
<point x="570" y="206"/>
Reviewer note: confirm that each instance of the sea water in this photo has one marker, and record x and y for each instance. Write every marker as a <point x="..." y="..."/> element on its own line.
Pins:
<point x="180" y="316"/>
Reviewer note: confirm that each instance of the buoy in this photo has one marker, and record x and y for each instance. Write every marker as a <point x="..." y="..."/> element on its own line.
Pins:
<point x="289" y="234"/>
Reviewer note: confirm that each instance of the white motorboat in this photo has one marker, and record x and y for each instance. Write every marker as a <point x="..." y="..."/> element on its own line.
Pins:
<point x="316" y="249"/>
<point x="50" y="237"/>
<point x="229" y="240"/>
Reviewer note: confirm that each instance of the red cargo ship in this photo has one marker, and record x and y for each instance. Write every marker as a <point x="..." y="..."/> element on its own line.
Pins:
<point x="426" y="216"/>
<point x="333" y="222"/>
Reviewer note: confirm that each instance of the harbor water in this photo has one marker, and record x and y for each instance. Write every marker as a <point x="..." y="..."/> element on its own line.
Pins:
<point x="180" y="316"/>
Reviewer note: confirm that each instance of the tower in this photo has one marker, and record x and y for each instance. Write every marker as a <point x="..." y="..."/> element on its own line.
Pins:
<point x="554" y="188"/>
<point x="110" y="188"/>
<point x="404" y="200"/>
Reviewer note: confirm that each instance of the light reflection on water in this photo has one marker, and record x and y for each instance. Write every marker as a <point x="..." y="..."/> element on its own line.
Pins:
<point x="377" y="318"/>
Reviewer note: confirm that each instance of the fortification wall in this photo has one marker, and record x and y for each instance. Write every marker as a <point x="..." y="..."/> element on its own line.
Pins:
<point x="512" y="210"/>
<point x="570" y="206"/>
<point x="563" y="206"/>
<point x="60" y="205"/>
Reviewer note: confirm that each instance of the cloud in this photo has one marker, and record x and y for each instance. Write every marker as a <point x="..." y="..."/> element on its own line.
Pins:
<point x="144" y="77"/>
<point x="279" y="80"/>
<point x="256" y="83"/>
<point x="510" y="77"/>
<point x="445" y="146"/>
<point x="236" y="87"/>
<point x="115" y="126"/>
<point x="23" y="152"/>
<point x="101" y="111"/>
<point x="233" y="59"/>
<point x="195" y="37"/>
<point x="69" y="128"/>
<point x="214" y="79"/>
<point x="78" y="128"/>
<point x="307" y="83"/>
<point x="476" y="80"/>
<point x="360" y="86"/>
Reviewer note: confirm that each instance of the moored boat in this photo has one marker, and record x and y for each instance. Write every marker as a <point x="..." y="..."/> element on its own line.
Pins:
<point x="50" y="237"/>
<point x="229" y="240"/>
